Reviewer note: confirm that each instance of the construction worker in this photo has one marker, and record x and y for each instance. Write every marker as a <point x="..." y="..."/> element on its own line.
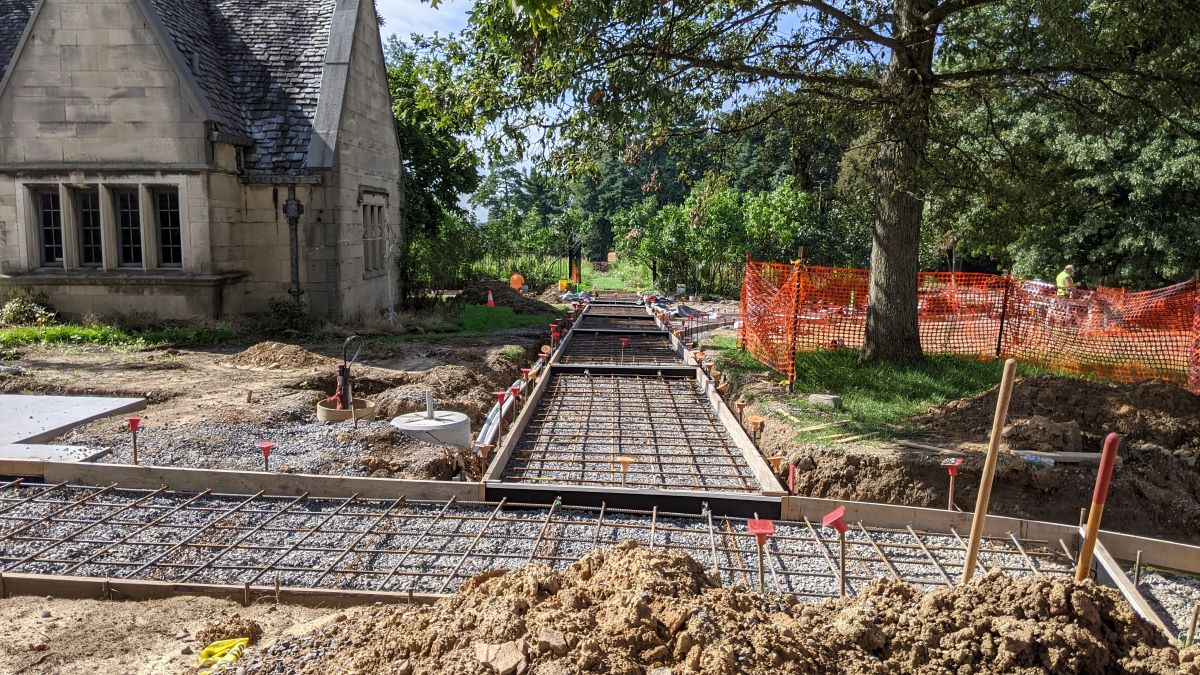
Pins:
<point x="1064" y="308"/>
<point x="1066" y="281"/>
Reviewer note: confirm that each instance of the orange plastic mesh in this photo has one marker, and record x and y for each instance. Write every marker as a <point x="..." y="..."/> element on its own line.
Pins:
<point x="1110" y="333"/>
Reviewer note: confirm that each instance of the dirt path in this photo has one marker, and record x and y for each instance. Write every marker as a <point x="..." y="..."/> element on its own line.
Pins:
<point x="91" y="637"/>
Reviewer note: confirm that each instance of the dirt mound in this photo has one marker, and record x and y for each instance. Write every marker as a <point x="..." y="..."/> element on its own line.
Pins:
<point x="392" y="453"/>
<point x="504" y="296"/>
<point x="278" y="356"/>
<point x="631" y="610"/>
<point x="1153" y="412"/>
<point x="465" y="387"/>
<point x="228" y="628"/>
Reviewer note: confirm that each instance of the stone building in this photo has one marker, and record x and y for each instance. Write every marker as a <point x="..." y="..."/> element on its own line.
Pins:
<point x="148" y="149"/>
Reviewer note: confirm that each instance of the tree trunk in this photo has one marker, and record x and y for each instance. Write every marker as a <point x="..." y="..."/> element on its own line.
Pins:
<point x="892" y="334"/>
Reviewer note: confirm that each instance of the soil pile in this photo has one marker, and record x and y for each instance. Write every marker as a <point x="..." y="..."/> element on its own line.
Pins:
<point x="278" y="356"/>
<point x="504" y="296"/>
<point x="229" y="628"/>
<point x="630" y="610"/>
<point x="466" y="386"/>
<point x="392" y="453"/>
<point x="1071" y="411"/>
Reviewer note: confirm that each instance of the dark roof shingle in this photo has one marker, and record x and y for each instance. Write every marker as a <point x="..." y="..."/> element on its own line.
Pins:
<point x="14" y="14"/>
<point x="257" y="62"/>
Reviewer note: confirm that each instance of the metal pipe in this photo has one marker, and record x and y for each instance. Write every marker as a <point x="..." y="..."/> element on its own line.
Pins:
<point x="292" y="210"/>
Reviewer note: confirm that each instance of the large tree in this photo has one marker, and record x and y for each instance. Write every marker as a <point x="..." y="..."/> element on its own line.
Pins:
<point x="438" y="164"/>
<point x="573" y="75"/>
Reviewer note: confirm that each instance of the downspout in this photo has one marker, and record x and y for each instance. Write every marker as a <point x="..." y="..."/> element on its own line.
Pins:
<point x="292" y="210"/>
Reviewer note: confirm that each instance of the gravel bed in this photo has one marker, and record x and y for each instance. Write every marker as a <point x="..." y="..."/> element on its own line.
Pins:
<point x="301" y="447"/>
<point x="1173" y="596"/>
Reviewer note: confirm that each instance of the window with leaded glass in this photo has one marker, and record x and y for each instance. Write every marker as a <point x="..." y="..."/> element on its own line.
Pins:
<point x="170" y="235"/>
<point x="129" y="227"/>
<point x="50" y="231"/>
<point x="87" y="213"/>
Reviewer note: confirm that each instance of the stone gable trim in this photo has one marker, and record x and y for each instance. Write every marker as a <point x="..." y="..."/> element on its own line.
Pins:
<point x="328" y="120"/>
<point x="278" y="179"/>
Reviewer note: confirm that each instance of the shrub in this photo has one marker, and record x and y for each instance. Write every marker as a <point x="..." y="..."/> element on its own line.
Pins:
<point x="23" y="311"/>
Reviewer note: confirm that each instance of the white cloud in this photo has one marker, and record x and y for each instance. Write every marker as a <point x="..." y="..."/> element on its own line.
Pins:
<point x="405" y="17"/>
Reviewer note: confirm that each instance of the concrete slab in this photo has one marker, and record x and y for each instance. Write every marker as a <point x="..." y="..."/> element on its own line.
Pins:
<point x="32" y="419"/>
<point x="50" y="453"/>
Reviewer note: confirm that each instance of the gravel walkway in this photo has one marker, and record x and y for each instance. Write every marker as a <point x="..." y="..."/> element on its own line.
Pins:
<point x="301" y="447"/>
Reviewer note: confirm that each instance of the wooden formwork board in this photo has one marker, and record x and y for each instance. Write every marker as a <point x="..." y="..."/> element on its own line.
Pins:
<point x="247" y="482"/>
<point x="95" y="588"/>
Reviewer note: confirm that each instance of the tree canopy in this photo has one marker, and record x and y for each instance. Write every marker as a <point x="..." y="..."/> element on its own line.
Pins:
<point x="569" y="80"/>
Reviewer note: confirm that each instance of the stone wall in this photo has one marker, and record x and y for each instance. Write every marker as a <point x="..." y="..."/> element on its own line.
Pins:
<point x="367" y="169"/>
<point x="93" y="85"/>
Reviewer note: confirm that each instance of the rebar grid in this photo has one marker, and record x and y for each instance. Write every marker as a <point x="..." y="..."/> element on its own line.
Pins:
<point x="616" y="310"/>
<point x="606" y="348"/>
<point x="422" y="546"/>
<point x="584" y="424"/>
<point x="590" y="320"/>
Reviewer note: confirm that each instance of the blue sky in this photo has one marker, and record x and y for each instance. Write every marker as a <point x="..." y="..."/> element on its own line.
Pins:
<point x="405" y="17"/>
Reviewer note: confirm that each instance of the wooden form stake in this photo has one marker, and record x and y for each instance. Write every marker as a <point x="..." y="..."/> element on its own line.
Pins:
<point x="1191" y="634"/>
<point x="989" y="469"/>
<point x="1108" y="460"/>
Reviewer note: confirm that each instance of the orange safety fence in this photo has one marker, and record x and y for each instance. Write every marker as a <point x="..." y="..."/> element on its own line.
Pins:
<point x="1110" y="333"/>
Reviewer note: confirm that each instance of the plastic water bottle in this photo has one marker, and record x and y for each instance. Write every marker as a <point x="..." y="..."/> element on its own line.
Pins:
<point x="1038" y="461"/>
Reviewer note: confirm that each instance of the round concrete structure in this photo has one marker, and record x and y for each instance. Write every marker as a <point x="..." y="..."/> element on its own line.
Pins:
<point x="446" y="427"/>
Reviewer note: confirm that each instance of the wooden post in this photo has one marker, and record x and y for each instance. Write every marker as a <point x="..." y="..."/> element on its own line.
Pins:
<point x="1003" y="314"/>
<point x="1191" y="634"/>
<point x="1108" y="460"/>
<point x="1137" y="568"/>
<point x="1003" y="398"/>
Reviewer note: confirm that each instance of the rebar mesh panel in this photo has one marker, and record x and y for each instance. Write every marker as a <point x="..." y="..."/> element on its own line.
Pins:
<point x="622" y="322"/>
<point x="432" y="547"/>
<point x="617" y="310"/>
<point x="606" y="348"/>
<point x="583" y="424"/>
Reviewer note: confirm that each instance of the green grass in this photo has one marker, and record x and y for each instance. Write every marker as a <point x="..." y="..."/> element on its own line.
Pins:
<point x="469" y="320"/>
<point x="481" y="319"/>
<point x="621" y="276"/>
<point x="876" y="397"/>
<point x="112" y="336"/>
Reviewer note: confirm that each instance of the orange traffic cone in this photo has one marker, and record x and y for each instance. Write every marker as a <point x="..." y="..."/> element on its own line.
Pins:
<point x="491" y="302"/>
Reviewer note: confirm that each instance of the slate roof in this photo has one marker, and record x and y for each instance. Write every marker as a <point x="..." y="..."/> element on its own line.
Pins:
<point x="258" y="63"/>
<point x="14" y="14"/>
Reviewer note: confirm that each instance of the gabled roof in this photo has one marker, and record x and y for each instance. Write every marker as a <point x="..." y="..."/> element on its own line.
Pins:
<point x="258" y="64"/>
